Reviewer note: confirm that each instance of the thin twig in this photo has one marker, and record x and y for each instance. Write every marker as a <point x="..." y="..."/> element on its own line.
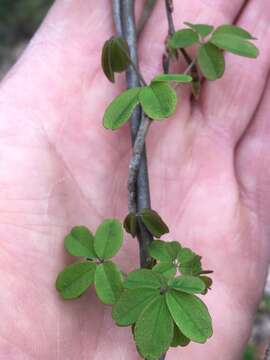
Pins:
<point x="135" y="162"/>
<point x="169" y="12"/>
<point x="117" y="17"/>
<point x="171" y="31"/>
<point x="146" y="13"/>
<point x="117" y="12"/>
<point x="142" y="197"/>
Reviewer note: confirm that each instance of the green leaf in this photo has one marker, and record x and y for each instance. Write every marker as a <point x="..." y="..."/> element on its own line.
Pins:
<point x="80" y="242"/>
<point x="109" y="282"/>
<point x="154" y="329"/>
<point x="174" y="248"/>
<point x="153" y="222"/>
<point x="115" y="57"/>
<point x="235" y="44"/>
<point x="130" y="224"/>
<point x="106" y="61"/>
<point x="211" y="61"/>
<point x="131" y="303"/>
<point x="143" y="278"/>
<point x="167" y="269"/>
<point x="202" y="29"/>
<point x="183" y="38"/>
<point x="108" y="238"/>
<point x="164" y="251"/>
<point x="180" y="78"/>
<point x="188" y="284"/>
<point x="190" y="263"/>
<point x="158" y="100"/>
<point x="233" y="30"/>
<point x="196" y="87"/>
<point x="191" y="268"/>
<point x="179" y="339"/>
<point x="185" y="255"/>
<point x="75" y="279"/>
<point x="121" y="109"/>
<point x="120" y="55"/>
<point x="208" y="283"/>
<point x="190" y="315"/>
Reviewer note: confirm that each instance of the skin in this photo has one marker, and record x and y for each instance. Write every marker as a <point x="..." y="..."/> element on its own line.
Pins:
<point x="209" y="175"/>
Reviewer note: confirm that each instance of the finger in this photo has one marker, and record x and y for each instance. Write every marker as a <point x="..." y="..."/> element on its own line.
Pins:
<point x="58" y="89"/>
<point x="228" y="104"/>
<point x="62" y="62"/>
<point x="252" y="168"/>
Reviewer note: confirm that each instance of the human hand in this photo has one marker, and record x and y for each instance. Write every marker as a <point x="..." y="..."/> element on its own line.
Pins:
<point x="59" y="168"/>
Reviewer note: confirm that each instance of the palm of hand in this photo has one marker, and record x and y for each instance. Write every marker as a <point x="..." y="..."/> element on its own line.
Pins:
<point x="61" y="168"/>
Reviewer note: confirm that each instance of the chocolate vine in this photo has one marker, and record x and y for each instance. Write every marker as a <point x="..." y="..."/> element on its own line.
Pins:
<point x="160" y="302"/>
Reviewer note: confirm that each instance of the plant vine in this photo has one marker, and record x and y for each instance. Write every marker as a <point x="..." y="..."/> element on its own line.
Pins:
<point x="159" y="302"/>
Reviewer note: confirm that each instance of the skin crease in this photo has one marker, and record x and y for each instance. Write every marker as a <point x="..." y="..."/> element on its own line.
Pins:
<point x="209" y="174"/>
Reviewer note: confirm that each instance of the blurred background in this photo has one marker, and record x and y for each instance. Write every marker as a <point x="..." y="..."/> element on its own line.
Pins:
<point x="19" y="19"/>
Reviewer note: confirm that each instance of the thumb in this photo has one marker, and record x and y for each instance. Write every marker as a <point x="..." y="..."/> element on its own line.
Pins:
<point x="61" y="59"/>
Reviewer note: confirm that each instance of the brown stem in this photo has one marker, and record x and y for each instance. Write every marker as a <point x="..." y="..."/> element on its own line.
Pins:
<point x="134" y="165"/>
<point x="141" y="195"/>
<point x="171" y="31"/>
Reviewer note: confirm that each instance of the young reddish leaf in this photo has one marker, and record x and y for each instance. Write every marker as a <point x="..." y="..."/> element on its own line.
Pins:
<point x="158" y="100"/>
<point x="108" y="239"/>
<point x="179" y="339"/>
<point x="153" y="222"/>
<point x="235" y="44"/>
<point x="202" y="29"/>
<point x="188" y="284"/>
<point x="143" y="278"/>
<point x="208" y="283"/>
<point x="130" y="224"/>
<point x="190" y="315"/>
<point x="183" y="38"/>
<point x="179" y="78"/>
<point x="206" y="272"/>
<point x="75" y="279"/>
<point x="80" y="242"/>
<point x="211" y="61"/>
<point x="109" y="282"/>
<point x="154" y="329"/>
<point x="131" y="303"/>
<point x="120" y="109"/>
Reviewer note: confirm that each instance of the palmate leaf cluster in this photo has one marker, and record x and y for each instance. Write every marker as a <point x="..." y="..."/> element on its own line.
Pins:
<point x="159" y="304"/>
<point x="96" y="266"/>
<point x="212" y="42"/>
